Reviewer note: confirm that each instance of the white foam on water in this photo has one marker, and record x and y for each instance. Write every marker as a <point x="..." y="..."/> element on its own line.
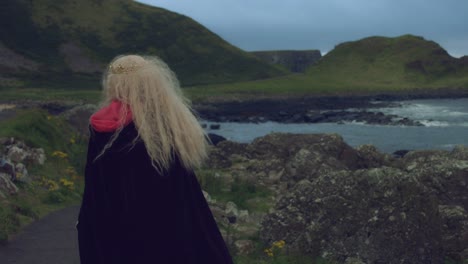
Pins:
<point x="431" y="123"/>
<point x="354" y="122"/>
<point x="448" y="146"/>
<point x="437" y="113"/>
<point x="455" y="113"/>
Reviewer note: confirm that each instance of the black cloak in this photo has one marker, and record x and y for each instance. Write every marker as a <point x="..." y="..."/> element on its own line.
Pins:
<point x="130" y="213"/>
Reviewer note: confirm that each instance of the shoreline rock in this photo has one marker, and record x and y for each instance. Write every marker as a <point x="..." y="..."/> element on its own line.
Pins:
<point x="344" y="204"/>
<point x="309" y="109"/>
<point x="306" y="110"/>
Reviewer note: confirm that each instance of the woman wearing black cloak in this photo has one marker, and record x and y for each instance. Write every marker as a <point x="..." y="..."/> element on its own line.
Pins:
<point x="142" y="202"/>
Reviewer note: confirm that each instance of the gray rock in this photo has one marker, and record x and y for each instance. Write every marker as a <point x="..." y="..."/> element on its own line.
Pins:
<point x="372" y="158"/>
<point x="36" y="156"/>
<point x="354" y="261"/>
<point x="243" y="216"/>
<point x="22" y="174"/>
<point x="232" y="213"/>
<point x="380" y="215"/>
<point x="294" y="60"/>
<point x="353" y="205"/>
<point x="454" y="231"/>
<point x="244" y="247"/>
<point x="7" y="187"/>
<point x="16" y="154"/>
<point x="7" y="167"/>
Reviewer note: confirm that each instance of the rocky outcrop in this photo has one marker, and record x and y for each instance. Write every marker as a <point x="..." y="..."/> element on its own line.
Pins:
<point x="293" y="60"/>
<point x="7" y="187"/>
<point x="15" y="156"/>
<point x="304" y="110"/>
<point x="356" y="205"/>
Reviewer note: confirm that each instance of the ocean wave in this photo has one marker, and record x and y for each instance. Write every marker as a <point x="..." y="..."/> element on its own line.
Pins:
<point x="432" y="123"/>
<point x="430" y="114"/>
<point x="354" y="122"/>
<point x="456" y="113"/>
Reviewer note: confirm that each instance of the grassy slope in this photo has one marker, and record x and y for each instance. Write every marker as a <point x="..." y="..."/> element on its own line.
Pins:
<point x="56" y="184"/>
<point x="106" y="28"/>
<point x="370" y="65"/>
<point x="401" y="62"/>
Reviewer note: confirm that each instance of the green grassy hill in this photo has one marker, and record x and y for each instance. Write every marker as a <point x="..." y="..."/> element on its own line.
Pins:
<point x="406" y="61"/>
<point x="73" y="40"/>
<point x="368" y="66"/>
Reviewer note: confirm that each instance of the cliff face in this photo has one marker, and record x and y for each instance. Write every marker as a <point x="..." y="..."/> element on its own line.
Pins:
<point x="293" y="60"/>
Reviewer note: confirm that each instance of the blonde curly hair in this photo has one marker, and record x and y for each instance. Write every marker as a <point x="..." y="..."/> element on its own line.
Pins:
<point x="162" y="115"/>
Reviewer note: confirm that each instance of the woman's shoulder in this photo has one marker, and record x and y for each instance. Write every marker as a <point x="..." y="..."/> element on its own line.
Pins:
<point x="122" y="141"/>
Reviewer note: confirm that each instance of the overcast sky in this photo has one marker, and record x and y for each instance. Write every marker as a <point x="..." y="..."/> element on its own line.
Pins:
<point x="322" y="24"/>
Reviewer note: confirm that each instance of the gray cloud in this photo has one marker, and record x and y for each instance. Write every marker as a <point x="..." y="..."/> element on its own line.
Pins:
<point x="322" y="24"/>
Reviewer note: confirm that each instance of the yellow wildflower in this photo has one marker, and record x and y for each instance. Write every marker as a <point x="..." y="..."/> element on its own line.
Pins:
<point x="269" y="252"/>
<point x="279" y="244"/>
<point x="59" y="154"/>
<point x="51" y="185"/>
<point x="67" y="184"/>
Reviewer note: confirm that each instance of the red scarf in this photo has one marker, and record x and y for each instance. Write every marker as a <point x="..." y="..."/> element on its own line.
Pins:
<point x="108" y="119"/>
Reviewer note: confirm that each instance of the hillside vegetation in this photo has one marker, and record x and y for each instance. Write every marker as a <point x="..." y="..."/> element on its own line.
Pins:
<point x="41" y="188"/>
<point x="403" y="61"/>
<point x="74" y="40"/>
<point x="368" y="66"/>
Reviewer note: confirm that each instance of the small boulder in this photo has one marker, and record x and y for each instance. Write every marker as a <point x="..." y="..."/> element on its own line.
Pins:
<point x="244" y="247"/>
<point x="243" y="216"/>
<point x="215" y="126"/>
<point x="232" y="213"/>
<point x="22" y="174"/>
<point x="7" y="167"/>
<point x="36" y="156"/>
<point x="16" y="154"/>
<point x="215" y="139"/>
<point x="7" y="187"/>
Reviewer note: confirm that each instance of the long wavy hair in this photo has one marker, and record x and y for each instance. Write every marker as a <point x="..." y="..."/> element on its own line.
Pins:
<point x="162" y="115"/>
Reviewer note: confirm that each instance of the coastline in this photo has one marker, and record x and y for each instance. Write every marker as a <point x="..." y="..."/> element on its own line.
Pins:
<point x="281" y="108"/>
<point x="316" y="109"/>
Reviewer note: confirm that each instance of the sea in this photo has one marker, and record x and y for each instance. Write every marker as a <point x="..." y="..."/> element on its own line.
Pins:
<point x="445" y="126"/>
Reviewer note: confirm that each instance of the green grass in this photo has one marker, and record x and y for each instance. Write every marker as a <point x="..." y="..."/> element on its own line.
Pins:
<point x="374" y="65"/>
<point x="55" y="184"/>
<point x="44" y="94"/>
<point x="239" y="191"/>
<point x="315" y="85"/>
<point x="368" y="66"/>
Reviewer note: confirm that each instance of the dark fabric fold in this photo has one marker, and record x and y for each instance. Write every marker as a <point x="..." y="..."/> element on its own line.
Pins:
<point x="130" y="213"/>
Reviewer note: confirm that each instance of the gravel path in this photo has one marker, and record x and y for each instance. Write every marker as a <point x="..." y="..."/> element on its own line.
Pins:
<point x="51" y="240"/>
